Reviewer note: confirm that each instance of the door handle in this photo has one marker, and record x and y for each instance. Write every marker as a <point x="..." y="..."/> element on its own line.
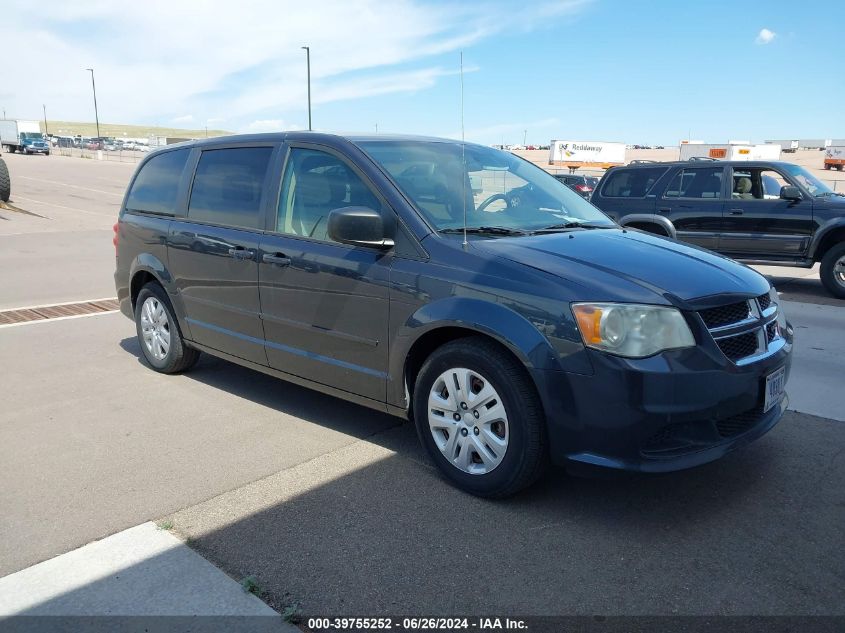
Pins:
<point x="665" y="209"/>
<point x="736" y="212"/>
<point x="277" y="259"/>
<point x="241" y="253"/>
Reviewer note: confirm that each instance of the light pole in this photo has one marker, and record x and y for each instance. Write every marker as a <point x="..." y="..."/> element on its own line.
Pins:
<point x="308" y="62"/>
<point x="44" y="107"/>
<point x="94" y="88"/>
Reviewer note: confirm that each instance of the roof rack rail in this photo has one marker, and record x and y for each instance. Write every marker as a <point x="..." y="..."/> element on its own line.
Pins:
<point x="642" y="161"/>
<point x="703" y="158"/>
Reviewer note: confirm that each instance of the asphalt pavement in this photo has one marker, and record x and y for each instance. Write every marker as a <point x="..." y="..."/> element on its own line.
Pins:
<point x="335" y="507"/>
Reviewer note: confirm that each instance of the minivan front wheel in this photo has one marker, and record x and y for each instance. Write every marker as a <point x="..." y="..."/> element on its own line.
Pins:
<point x="480" y="419"/>
<point x="158" y="332"/>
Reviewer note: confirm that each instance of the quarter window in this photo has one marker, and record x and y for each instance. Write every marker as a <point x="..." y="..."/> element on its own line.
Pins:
<point x="157" y="184"/>
<point x="696" y="183"/>
<point x="315" y="183"/>
<point x="632" y="183"/>
<point x="228" y="185"/>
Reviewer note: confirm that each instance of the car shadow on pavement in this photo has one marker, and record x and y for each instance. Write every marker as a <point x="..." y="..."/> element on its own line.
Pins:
<point x="372" y="528"/>
<point x="805" y="289"/>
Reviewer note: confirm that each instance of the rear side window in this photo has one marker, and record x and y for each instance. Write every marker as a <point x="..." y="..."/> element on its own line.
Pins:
<point x="157" y="184"/>
<point x="228" y="185"/>
<point x="632" y="183"/>
<point x="696" y="183"/>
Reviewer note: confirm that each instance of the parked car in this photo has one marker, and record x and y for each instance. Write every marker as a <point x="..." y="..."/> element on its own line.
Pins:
<point x="513" y="324"/>
<point x="757" y="212"/>
<point x="583" y="185"/>
<point x="94" y="144"/>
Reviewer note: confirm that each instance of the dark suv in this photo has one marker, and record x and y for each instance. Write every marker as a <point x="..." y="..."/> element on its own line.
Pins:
<point x="460" y="286"/>
<point x="771" y="213"/>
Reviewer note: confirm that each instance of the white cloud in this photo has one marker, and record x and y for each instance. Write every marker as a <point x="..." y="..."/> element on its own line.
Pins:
<point x="765" y="36"/>
<point x="241" y="61"/>
<point x="186" y="118"/>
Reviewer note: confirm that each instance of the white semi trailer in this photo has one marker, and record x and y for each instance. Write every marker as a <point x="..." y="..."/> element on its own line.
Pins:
<point x="575" y="154"/>
<point x="726" y="151"/>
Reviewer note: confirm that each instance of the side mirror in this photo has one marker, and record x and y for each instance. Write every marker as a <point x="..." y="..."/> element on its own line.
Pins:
<point x="360" y="226"/>
<point x="790" y="192"/>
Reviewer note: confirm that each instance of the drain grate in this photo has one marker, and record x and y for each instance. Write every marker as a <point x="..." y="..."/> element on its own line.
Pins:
<point x="61" y="310"/>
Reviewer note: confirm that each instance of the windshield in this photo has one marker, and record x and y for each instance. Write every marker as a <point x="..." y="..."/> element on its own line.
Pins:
<point x="497" y="189"/>
<point x="32" y="135"/>
<point x="807" y="180"/>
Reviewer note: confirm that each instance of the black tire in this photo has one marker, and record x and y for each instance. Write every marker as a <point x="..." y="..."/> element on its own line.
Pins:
<point x="526" y="455"/>
<point x="829" y="278"/>
<point x="179" y="356"/>
<point x="5" y="182"/>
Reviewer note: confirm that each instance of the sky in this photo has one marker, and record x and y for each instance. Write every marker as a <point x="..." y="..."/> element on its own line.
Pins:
<point x="634" y="71"/>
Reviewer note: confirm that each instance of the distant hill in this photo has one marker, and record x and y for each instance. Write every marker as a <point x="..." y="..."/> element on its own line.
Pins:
<point x="72" y="128"/>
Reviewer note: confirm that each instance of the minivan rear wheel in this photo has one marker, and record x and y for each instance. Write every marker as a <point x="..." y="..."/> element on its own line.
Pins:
<point x="480" y="419"/>
<point x="158" y="332"/>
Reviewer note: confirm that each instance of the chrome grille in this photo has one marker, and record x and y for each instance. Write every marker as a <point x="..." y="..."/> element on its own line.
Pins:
<point x="745" y="329"/>
<point x="725" y="315"/>
<point x="736" y="347"/>
<point x="772" y="331"/>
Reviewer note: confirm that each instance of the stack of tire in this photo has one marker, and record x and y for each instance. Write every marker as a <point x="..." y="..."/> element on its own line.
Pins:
<point x="5" y="182"/>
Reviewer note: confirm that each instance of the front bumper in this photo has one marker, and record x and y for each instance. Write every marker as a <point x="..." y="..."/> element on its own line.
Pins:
<point x="672" y="411"/>
<point x="35" y="150"/>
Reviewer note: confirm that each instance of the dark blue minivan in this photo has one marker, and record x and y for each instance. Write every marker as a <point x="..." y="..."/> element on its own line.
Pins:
<point x="455" y="284"/>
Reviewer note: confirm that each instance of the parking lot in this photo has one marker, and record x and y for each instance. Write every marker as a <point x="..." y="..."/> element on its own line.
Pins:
<point x="335" y="507"/>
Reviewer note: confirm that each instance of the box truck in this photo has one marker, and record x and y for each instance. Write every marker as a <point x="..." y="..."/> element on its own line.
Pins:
<point x="575" y="154"/>
<point x="834" y="157"/>
<point x="22" y="136"/>
<point x="726" y="151"/>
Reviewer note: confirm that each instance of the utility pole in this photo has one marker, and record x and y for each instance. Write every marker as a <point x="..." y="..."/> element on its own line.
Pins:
<point x="43" y="107"/>
<point x="525" y="137"/>
<point x="308" y="62"/>
<point x="94" y="88"/>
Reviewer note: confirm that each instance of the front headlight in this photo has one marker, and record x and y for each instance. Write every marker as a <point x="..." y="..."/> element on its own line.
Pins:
<point x="631" y="330"/>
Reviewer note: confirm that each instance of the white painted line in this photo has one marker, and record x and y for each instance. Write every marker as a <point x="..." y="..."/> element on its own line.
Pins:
<point x="61" y="206"/>
<point x="142" y="571"/>
<point x="53" y="320"/>
<point x="67" y="184"/>
<point x="65" y="303"/>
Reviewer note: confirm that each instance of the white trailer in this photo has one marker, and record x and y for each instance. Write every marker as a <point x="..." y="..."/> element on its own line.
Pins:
<point x="786" y="146"/>
<point x="726" y="151"/>
<point x="575" y="154"/>
<point x="11" y="131"/>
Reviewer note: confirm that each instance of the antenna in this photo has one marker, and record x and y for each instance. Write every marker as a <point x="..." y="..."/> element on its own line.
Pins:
<point x="464" y="175"/>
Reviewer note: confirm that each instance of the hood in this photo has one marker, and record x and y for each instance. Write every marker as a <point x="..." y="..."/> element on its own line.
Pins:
<point x="619" y="265"/>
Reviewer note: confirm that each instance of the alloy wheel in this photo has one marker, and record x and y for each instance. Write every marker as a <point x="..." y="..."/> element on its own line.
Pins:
<point x="155" y="328"/>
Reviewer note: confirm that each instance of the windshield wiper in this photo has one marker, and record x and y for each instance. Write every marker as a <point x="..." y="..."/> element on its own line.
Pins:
<point x="489" y="230"/>
<point x="571" y="225"/>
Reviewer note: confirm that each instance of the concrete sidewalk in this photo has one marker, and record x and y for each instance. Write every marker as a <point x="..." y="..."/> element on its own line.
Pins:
<point x="142" y="571"/>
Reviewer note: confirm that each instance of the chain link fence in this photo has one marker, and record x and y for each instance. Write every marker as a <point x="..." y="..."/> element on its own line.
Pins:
<point x="117" y="155"/>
